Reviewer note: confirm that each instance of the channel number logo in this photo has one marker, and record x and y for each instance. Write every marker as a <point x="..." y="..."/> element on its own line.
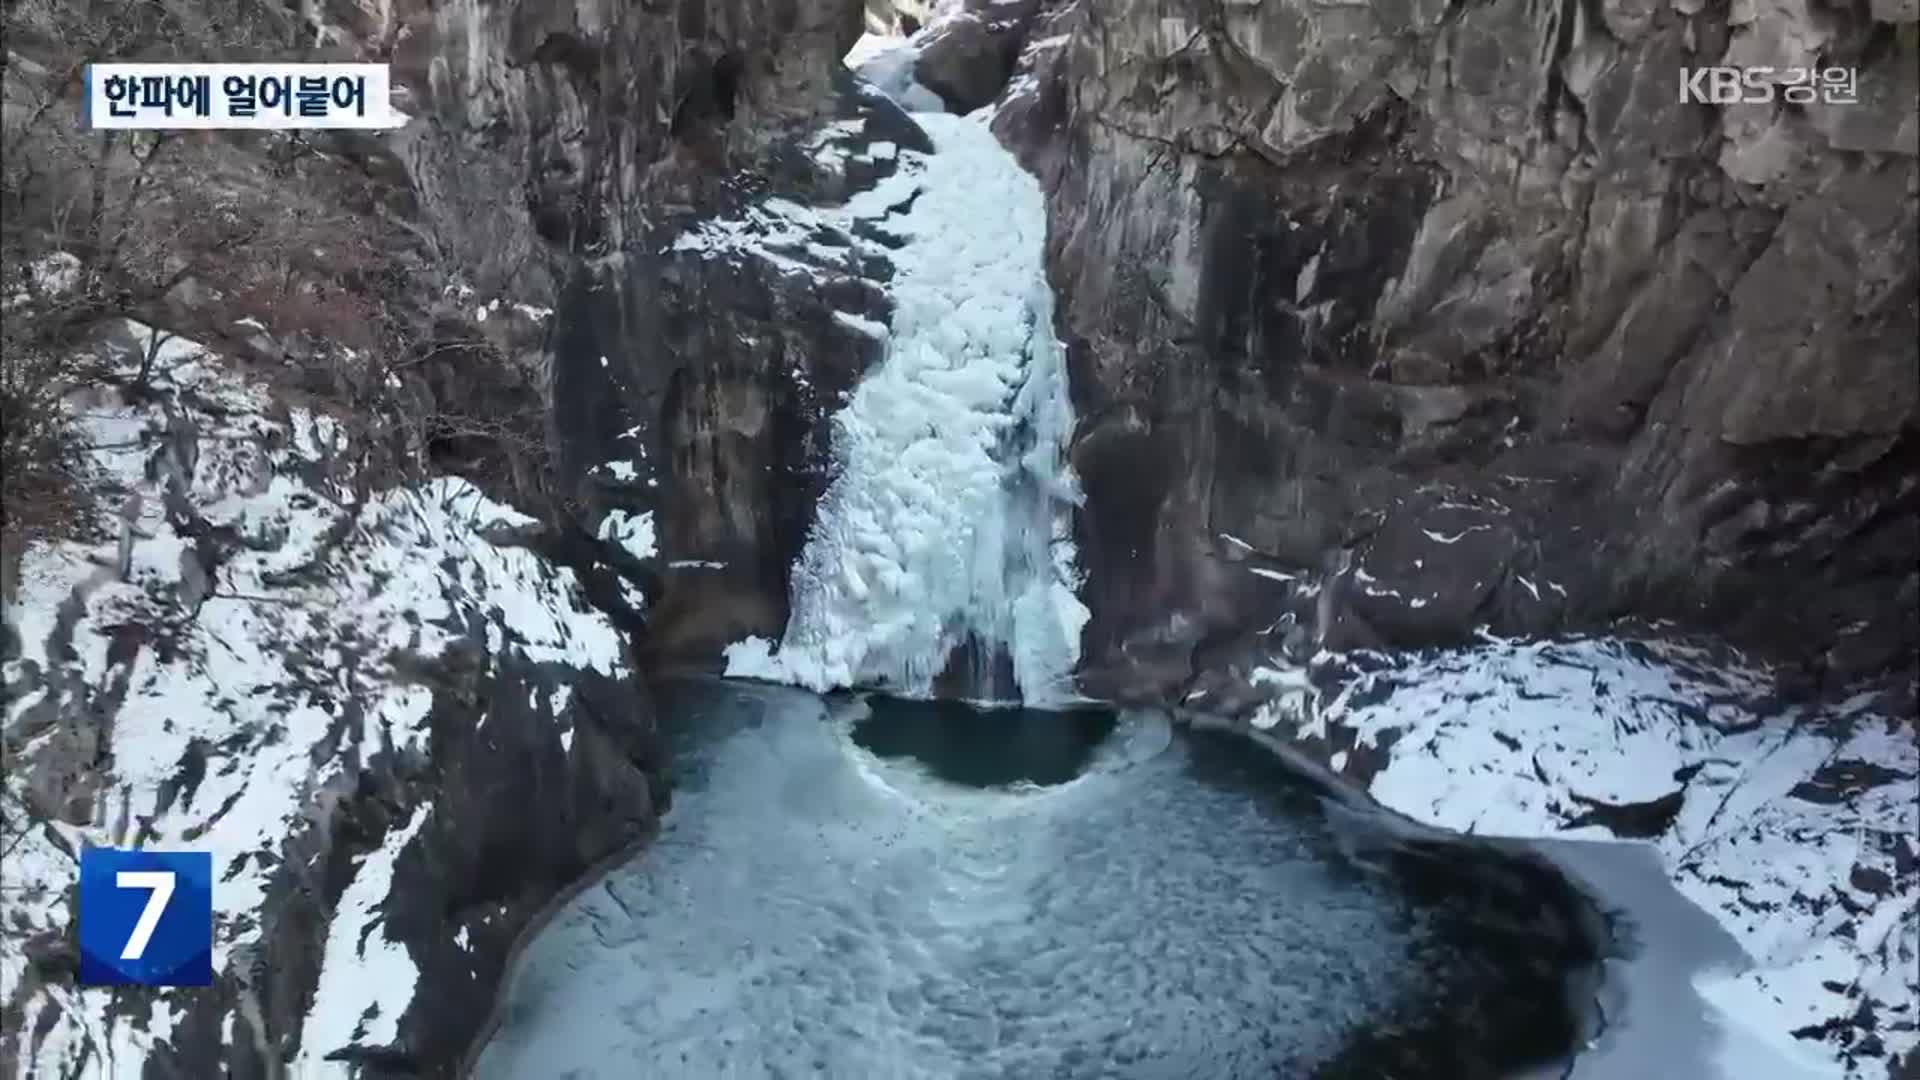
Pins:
<point x="146" y="918"/>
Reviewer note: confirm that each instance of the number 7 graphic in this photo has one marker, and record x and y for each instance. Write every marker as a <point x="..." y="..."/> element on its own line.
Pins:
<point x="161" y="882"/>
<point x="146" y="918"/>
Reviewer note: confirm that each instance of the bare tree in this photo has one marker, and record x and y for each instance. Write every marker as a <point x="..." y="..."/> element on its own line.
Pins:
<point x="291" y="235"/>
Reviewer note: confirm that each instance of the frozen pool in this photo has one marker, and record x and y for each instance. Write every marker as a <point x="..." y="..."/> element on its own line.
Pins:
<point x="879" y="888"/>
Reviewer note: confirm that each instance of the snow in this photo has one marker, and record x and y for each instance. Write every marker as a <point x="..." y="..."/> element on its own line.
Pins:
<point x="870" y="46"/>
<point x="1442" y="538"/>
<point x="872" y="329"/>
<point x="55" y="273"/>
<point x="315" y="610"/>
<point x="1293" y="689"/>
<point x="948" y="515"/>
<point x="1521" y="739"/>
<point x="888" y="63"/>
<point x="633" y="532"/>
<point x="366" y="981"/>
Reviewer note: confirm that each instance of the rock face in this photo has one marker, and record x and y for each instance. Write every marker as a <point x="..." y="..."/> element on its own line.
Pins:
<point x="588" y="128"/>
<point x="697" y="377"/>
<point x="1470" y="292"/>
<point x="321" y="686"/>
<point x="967" y="55"/>
<point x="427" y="730"/>
<point x="696" y="388"/>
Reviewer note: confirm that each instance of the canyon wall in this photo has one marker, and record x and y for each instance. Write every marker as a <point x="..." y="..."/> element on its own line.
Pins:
<point x="403" y="726"/>
<point x="1467" y="292"/>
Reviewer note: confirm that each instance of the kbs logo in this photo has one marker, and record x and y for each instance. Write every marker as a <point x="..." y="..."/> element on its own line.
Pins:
<point x="146" y="918"/>
<point x="1760" y="85"/>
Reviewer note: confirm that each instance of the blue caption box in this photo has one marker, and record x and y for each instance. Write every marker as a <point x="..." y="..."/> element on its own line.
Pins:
<point x="146" y="918"/>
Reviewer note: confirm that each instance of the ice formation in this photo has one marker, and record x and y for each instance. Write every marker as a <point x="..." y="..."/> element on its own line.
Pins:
<point x="948" y="518"/>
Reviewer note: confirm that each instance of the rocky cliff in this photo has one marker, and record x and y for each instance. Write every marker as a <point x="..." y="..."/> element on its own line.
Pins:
<point x="349" y="697"/>
<point x="402" y="713"/>
<point x="1465" y="299"/>
<point x="565" y="151"/>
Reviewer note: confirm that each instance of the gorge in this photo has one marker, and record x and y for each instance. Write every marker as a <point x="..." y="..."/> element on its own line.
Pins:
<point x="1478" y="488"/>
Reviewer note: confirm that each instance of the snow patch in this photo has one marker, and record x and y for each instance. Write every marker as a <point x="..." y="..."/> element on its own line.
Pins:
<point x="366" y="981"/>
<point x="633" y="532"/>
<point x="888" y="63"/>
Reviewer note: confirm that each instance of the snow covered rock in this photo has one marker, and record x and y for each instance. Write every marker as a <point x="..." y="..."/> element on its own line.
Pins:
<point x="398" y="733"/>
<point x="960" y="60"/>
<point x="1795" y="825"/>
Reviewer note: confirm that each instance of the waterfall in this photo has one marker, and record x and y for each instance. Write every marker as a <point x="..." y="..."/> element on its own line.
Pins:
<point x="947" y="526"/>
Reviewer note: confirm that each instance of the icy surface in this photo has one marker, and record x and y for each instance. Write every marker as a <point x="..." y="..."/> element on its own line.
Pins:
<point x="130" y="682"/>
<point x="1656" y="1021"/>
<point x="948" y="514"/>
<point x="814" y="910"/>
<point x="888" y="63"/>
<point x="1796" y="827"/>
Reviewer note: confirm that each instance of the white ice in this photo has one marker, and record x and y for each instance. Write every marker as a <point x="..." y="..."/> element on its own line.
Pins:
<point x="949" y="512"/>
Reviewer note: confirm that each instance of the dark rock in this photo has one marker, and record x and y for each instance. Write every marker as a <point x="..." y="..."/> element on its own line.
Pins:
<point x="966" y="58"/>
<point x="1641" y="820"/>
<point x="1424" y="578"/>
<point x="1836" y="781"/>
<point x="558" y="131"/>
<point x="963" y="62"/>
<point x="516" y="819"/>
<point x="1870" y="879"/>
<point x="55" y="957"/>
<point x="1313" y="273"/>
<point x="711" y="379"/>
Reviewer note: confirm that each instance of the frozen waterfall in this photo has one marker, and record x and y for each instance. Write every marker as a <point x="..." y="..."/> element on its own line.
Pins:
<point x="947" y="525"/>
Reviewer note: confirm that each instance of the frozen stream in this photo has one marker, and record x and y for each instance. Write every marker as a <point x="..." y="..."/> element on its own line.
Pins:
<point x="1182" y="906"/>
